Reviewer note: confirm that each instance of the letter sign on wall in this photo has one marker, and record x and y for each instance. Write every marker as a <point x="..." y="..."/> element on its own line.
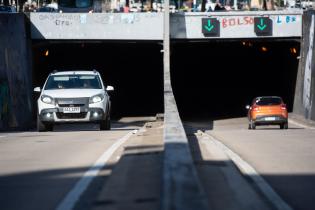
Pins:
<point x="263" y="26"/>
<point x="210" y="27"/>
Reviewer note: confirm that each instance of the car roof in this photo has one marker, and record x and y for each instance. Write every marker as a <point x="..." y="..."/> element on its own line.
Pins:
<point x="74" y="72"/>
<point x="268" y="97"/>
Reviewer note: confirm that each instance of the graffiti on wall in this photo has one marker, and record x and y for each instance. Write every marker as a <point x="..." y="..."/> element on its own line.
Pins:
<point x="237" y="21"/>
<point x="307" y="101"/>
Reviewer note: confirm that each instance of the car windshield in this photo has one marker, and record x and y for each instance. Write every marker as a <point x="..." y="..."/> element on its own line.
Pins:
<point x="73" y="82"/>
<point x="268" y="101"/>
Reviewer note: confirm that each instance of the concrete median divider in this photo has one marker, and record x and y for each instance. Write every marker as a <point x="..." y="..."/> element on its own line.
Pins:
<point x="181" y="187"/>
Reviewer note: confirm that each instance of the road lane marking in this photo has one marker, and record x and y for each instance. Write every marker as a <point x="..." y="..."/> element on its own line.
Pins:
<point x="73" y="196"/>
<point x="300" y="124"/>
<point x="250" y="172"/>
<point x="2" y="136"/>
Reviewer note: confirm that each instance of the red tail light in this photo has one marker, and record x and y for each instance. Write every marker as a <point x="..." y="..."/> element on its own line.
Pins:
<point x="283" y="107"/>
<point x="255" y="108"/>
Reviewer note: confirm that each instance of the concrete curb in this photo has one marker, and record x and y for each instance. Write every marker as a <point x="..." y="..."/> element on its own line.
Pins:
<point x="301" y="121"/>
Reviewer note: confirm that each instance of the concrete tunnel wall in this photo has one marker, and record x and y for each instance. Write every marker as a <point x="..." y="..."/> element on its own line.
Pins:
<point x="304" y="100"/>
<point x="15" y="73"/>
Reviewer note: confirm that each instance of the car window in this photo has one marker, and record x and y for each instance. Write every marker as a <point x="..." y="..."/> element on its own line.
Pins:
<point x="73" y="82"/>
<point x="268" y="101"/>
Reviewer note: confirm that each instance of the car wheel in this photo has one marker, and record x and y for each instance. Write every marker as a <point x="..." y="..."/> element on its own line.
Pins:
<point x="105" y="124"/>
<point x="252" y="125"/>
<point x="49" y="127"/>
<point x="40" y="125"/>
<point x="43" y="127"/>
<point x="284" y="126"/>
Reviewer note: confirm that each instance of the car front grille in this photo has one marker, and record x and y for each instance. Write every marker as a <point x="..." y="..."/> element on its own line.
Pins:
<point x="80" y="115"/>
<point x="71" y="105"/>
<point x="72" y="102"/>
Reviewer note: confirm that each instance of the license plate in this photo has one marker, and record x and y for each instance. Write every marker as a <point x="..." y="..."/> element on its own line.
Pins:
<point x="71" y="110"/>
<point x="270" y="118"/>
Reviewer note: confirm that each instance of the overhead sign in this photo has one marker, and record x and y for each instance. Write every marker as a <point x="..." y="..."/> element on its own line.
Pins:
<point x="263" y="26"/>
<point x="210" y="27"/>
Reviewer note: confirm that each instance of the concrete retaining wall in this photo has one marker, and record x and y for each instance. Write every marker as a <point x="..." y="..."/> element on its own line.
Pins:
<point x="15" y="73"/>
<point x="304" y="100"/>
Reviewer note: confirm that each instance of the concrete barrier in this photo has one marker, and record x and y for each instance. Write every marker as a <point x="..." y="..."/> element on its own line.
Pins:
<point x="304" y="100"/>
<point x="15" y="73"/>
<point x="181" y="188"/>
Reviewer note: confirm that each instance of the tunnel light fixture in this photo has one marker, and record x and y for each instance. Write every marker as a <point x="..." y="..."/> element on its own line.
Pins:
<point x="247" y="44"/>
<point x="264" y="49"/>
<point x="46" y="53"/>
<point x="293" y="50"/>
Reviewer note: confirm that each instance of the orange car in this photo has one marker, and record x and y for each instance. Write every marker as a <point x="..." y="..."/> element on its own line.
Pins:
<point x="267" y="110"/>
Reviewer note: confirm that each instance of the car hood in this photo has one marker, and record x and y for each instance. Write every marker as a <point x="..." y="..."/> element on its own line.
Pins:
<point x="72" y="93"/>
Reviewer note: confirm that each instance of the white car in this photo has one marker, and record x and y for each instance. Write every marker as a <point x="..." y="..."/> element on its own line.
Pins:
<point x="73" y="96"/>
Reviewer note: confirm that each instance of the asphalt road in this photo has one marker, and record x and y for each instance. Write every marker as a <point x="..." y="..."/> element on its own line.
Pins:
<point x="37" y="170"/>
<point x="284" y="158"/>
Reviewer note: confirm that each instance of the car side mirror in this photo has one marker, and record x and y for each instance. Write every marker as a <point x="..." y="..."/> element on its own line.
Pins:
<point x="247" y="107"/>
<point x="37" y="89"/>
<point x="109" y="88"/>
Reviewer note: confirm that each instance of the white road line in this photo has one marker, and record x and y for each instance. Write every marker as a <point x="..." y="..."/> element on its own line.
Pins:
<point x="2" y="136"/>
<point x="73" y="196"/>
<point x="249" y="171"/>
<point x="300" y="124"/>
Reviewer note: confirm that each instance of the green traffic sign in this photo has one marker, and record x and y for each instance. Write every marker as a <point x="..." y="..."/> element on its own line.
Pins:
<point x="210" y="27"/>
<point x="263" y="26"/>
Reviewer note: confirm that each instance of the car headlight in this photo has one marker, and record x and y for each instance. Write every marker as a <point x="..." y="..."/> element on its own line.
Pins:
<point x="47" y="99"/>
<point x="96" y="98"/>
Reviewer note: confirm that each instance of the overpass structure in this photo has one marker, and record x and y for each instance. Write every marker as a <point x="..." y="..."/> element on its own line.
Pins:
<point x="149" y="26"/>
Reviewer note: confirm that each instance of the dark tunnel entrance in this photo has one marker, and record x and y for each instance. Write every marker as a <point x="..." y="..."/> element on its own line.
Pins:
<point x="218" y="79"/>
<point x="134" y="69"/>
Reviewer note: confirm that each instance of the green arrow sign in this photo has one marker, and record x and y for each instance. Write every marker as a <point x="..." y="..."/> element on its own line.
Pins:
<point x="262" y="26"/>
<point x="209" y="26"/>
